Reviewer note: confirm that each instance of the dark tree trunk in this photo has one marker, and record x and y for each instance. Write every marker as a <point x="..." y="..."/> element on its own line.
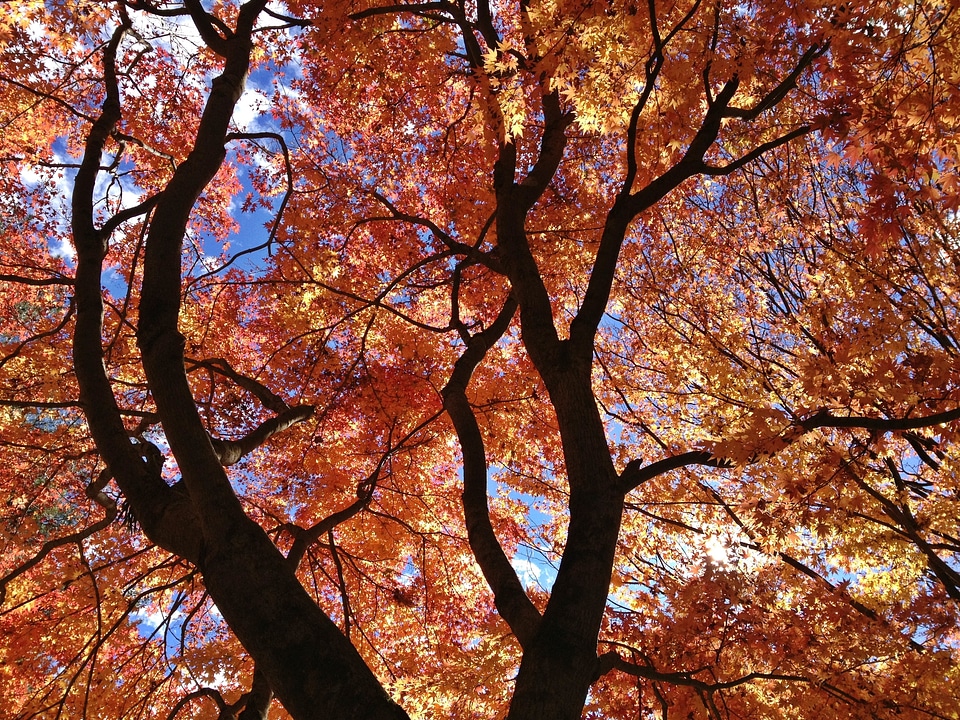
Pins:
<point x="308" y="663"/>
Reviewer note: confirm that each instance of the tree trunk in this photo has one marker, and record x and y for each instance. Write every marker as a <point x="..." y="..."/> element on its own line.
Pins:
<point x="310" y="665"/>
<point x="561" y="663"/>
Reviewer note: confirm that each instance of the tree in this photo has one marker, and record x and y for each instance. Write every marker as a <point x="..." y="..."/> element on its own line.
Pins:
<point x="485" y="359"/>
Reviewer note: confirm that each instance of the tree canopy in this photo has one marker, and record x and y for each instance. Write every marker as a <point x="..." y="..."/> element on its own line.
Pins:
<point x="480" y="359"/>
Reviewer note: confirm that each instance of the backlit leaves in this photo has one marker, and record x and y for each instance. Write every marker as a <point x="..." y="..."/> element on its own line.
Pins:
<point x="781" y="320"/>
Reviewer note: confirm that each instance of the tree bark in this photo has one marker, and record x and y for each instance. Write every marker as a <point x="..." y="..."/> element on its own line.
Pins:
<point x="312" y="668"/>
<point x="560" y="660"/>
<point x="561" y="663"/>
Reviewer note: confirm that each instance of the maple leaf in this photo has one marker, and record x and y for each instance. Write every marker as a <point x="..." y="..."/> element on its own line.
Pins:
<point x="554" y="359"/>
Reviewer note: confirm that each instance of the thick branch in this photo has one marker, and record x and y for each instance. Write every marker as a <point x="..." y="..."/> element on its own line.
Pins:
<point x="310" y="665"/>
<point x="775" y="96"/>
<point x="214" y="33"/>
<point x="158" y="336"/>
<point x="261" y="392"/>
<point x="825" y="419"/>
<point x="552" y="144"/>
<point x="613" y="661"/>
<point x="21" y="280"/>
<point x="511" y="599"/>
<point x="584" y="326"/>
<point x="636" y="473"/>
<point x="211" y="693"/>
<point x="514" y="201"/>
<point x="412" y="8"/>
<point x="128" y="214"/>
<point x="231" y="451"/>
<point x="164" y="515"/>
<point x="290" y="21"/>
<point x="756" y="153"/>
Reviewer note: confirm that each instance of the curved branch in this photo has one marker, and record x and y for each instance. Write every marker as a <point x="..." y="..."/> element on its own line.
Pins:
<point x="628" y="205"/>
<point x="21" y="280"/>
<point x="512" y="602"/>
<point x="211" y="693"/>
<point x="125" y="137"/>
<point x="636" y="473"/>
<point x="903" y="517"/>
<point x="164" y="515"/>
<point x="231" y="451"/>
<point x="48" y="96"/>
<point x="289" y="20"/>
<point x="651" y="72"/>
<point x="128" y="214"/>
<point x="777" y="94"/>
<point x="314" y="670"/>
<point x="613" y="661"/>
<point x="214" y="33"/>
<point x="824" y="419"/>
<point x="470" y="251"/>
<point x="552" y="145"/>
<point x="149" y="7"/>
<point x="420" y="9"/>
<point x="267" y="397"/>
<point x="275" y="226"/>
<point x="756" y="153"/>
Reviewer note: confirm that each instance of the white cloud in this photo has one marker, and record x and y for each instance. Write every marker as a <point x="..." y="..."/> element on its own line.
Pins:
<point x="249" y="109"/>
<point x="63" y="249"/>
<point x="528" y="571"/>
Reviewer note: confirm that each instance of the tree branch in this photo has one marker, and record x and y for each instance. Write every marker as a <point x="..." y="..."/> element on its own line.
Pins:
<point x="303" y="539"/>
<point x="612" y="660"/>
<point x="552" y="145"/>
<point x="164" y="515"/>
<point x="756" y="153"/>
<point x="49" y="333"/>
<point x="824" y="419"/>
<point x="231" y="451"/>
<point x="211" y="693"/>
<point x="777" y="94"/>
<point x="511" y="599"/>
<point x="628" y="205"/>
<point x="636" y="473"/>
<point x="267" y="397"/>
<point x="214" y="33"/>
<point x="313" y="669"/>
<point x="128" y="214"/>
<point x="95" y="492"/>
<point x="38" y="282"/>
<point x="416" y="8"/>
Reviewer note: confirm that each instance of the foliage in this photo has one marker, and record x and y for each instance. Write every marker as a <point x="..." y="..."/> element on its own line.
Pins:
<point x="480" y="359"/>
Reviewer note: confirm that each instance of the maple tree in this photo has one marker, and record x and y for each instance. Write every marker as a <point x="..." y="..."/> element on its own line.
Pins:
<point x="529" y="360"/>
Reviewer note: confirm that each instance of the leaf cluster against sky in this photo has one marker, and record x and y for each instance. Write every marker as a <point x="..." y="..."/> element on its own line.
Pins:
<point x="692" y="265"/>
